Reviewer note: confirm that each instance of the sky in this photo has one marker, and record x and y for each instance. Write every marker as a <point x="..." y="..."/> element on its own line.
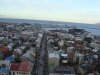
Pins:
<point x="80" y="11"/>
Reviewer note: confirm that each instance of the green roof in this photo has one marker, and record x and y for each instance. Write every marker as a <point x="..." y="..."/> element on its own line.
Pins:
<point x="1" y="55"/>
<point x="51" y="65"/>
<point x="66" y="43"/>
<point x="15" y="42"/>
<point x="50" y="48"/>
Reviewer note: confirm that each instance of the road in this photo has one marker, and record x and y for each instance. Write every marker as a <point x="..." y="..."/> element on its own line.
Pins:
<point x="42" y="53"/>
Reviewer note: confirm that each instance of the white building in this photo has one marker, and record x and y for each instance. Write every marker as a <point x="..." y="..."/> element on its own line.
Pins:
<point x="53" y="58"/>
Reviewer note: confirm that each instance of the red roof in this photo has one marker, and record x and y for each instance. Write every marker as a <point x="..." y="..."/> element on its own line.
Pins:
<point x="78" y="46"/>
<point x="25" y="66"/>
<point x="71" y="55"/>
<point x="85" y="52"/>
<point x="14" y="67"/>
<point x="5" y="50"/>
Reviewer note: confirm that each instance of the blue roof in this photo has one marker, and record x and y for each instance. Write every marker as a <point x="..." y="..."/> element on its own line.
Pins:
<point x="86" y="58"/>
<point x="61" y="52"/>
<point x="4" y="70"/>
<point x="10" y="58"/>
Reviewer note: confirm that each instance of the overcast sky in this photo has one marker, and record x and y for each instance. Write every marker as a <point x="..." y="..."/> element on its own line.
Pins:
<point x="81" y="11"/>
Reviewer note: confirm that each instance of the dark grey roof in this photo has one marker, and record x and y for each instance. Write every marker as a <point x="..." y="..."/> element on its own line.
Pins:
<point x="65" y="69"/>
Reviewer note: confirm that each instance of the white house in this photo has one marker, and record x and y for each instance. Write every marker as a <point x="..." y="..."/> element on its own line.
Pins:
<point x="70" y="49"/>
<point x="53" y="58"/>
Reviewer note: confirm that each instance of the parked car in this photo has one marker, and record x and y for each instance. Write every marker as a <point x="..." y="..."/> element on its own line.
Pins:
<point x="40" y="64"/>
<point x="44" y="72"/>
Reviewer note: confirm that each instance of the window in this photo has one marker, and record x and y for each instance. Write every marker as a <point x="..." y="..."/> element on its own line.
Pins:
<point x="9" y="73"/>
<point x="13" y="73"/>
<point x="2" y="74"/>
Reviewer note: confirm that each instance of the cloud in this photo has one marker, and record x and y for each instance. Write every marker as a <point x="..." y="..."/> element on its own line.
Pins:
<point x="37" y="3"/>
<point x="90" y="19"/>
<point x="3" y="16"/>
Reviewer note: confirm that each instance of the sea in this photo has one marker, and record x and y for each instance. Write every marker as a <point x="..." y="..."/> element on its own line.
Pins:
<point x="92" y="28"/>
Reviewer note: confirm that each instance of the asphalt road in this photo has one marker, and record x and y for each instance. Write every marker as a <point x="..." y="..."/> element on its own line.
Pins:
<point x="42" y="52"/>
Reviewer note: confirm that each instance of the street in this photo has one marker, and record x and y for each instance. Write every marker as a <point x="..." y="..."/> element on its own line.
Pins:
<point x="41" y="68"/>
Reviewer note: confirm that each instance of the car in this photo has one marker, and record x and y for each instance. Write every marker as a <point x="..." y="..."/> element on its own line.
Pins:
<point x="44" y="59"/>
<point x="36" y="59"/>
<point x="44" y="72"/>
<point x="40" y="64"/>
<point x="37" y="66"/>
<point x="36" y="72"/>
<point x="44" y="65"/>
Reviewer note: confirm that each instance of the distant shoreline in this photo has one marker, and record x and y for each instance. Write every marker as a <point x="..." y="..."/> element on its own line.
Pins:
<point x="81" y="25"/>
<point x="36" y="21"/>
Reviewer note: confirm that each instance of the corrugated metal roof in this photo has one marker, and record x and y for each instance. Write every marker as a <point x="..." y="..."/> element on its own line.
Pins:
<point x="28" y="55"/>
<point x="14" y="67"/>
<point x="25" y="67"/>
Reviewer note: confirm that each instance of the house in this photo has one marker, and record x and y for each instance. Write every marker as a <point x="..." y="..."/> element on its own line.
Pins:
<point x="4" y="67"/>
<point x="38" y="40"/>
<point x="89" y="59"/>
<point x="22" y="48"/>
<point x="5" y="50"/>
<point x="71" y="36"/>
<point x="50" y="40"/>
<point x="93" y="45"/>
<point x="1" y="55"/>
<point x="5" y="62"/>
<point x="61" y="43"/>
<point x="32" y="52"/>
<point x="10" y="46"/>
<point x="10" y="58"/>
<point x="63" y="58"/>
<point x="71" y="57"/>
<point x="27" y="57"/>
<point x="14" y="69"/>
<point x="85" y="52"/>
<point x="79" y="58"/>
<point x="70" y="49"/>
<point x="60" y="52"/>
<point x="78" y="46"/>
<point x="78" y="38"/>
<point x="53" y="58"/>
<point x="62" y="71"/>
<point x="5" y="71"/>
<point x="25" y="68"/>
<point x="94" y="73"/>
<point x="71" y="42"/>
<point x="88" y="39"/>
<point x="84" y="69"/>
<point x="17" y="51"/>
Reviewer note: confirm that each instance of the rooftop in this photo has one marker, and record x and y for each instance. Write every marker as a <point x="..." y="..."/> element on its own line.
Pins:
<point x="68" y="70"/>
<point x="14" y="67"/>
<point x="25" y="66"/>
<point x="53" y="55"/>
<point x="5" y="70"/>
